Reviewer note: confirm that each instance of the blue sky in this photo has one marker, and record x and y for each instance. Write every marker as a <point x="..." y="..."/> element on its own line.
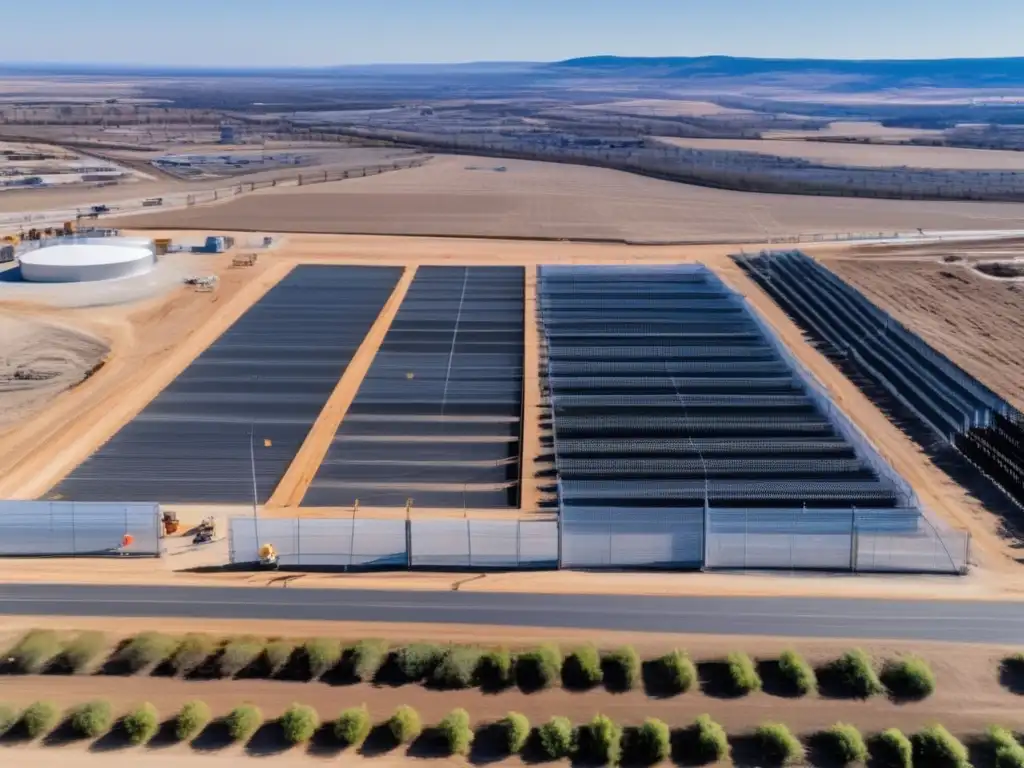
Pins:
<point x="324" y="32"/>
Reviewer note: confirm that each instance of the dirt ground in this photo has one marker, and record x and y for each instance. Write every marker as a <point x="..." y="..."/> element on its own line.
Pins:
<point x="546" y="200"/>
<point x="873" y="155"/>
<point x="975" y="320"/>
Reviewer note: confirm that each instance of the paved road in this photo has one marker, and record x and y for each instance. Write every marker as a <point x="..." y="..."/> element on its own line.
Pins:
<point x="977" y="622"/>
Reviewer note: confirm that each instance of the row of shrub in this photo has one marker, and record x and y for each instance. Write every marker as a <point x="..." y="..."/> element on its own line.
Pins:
<point x="601" y="741"/>
<point x="452" y="666"/>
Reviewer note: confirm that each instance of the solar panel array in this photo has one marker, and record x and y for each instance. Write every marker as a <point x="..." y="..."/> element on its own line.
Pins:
<point x="261" y="384"/>
<point x="437" y="418"/>
<point x="666" y="393"/>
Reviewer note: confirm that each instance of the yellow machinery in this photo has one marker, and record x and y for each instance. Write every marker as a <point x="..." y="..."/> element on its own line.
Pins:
<point x="268" y="556"/>
<point x="162" y="245"/>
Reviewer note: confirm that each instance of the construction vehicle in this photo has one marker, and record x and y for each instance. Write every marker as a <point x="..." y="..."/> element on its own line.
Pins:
<point x="152" y="202"/>
<point x="98" y="209"/>
<point x="205" y="531"/>
<point x="268" y="557"/>
<point x="170" y="522"/>
<point x="69" y="227"/>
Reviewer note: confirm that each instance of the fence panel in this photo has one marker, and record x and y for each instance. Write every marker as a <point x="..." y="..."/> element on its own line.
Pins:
<point x="777" y="538"/>
<point x="628" y="538"/>
<point x="338" y="542"/>
<point x="505" y="544"/>
<point x="78" y="529"/>
<point x="928" y="550"/>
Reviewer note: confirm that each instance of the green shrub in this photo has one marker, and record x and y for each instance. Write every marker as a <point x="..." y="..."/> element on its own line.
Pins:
<point x="651" y="743"/>
<point x="583" y="667"/>
<point x="243" y="722"/>
<point x="321" y="655"/>
<point x="601" y="741"/>
<point x="278" y="654"/>
<point x="366" y="658"/>
<point x="299" y="723"/>
<point x="778" y="745"/>
<point x="797" y="673"/>
<point x="34" y="651"/>
<point x="622" y="668"/>
<point x="457" y="732"/>
<point x="909" y="677"/>
<point x="39" y="719"/>
<point x="893" y="750"/>
<point x="9" y="717"/>
<point x="141" y="724"/>
<point x="856" y="674"/>
<point x="1006" y="750"/>
<point x="539" y="668"/>
<point x="517" y="732"/>
<point x="846" y="744"/>
<point x="239" y="654"/>
<point x="710" y="742"/>
<point x="405" y="725"/>
<point x="192" y="652"/>
<point x="417" y="660"/>
<point x="936" y="747"/>
<point x="147" y="650"/>
<point x="92" y="719"/>
<point x="191" y="720"/>
<point x="82" y="650"/>
<point x="557" y="738"/>
<point x="743" y="677"/>
<point x="676" y="672"/>
<point x="495" y="669"/>
<point x="457" y="668"/>
<point x="353" y="726"/>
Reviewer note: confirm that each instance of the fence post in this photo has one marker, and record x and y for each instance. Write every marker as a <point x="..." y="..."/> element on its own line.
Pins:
<point x="469" y="542"/>
<point x="408" y="543"/>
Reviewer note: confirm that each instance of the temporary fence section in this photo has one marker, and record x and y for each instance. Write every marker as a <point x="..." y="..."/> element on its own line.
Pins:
<point x="77" y="529"/>
<point x="437" y="417"/>
<point x="609" y="537"/>
<point x="226" y="429"/>
<point x="986" y="429"/>
<point x="390" y="544"/>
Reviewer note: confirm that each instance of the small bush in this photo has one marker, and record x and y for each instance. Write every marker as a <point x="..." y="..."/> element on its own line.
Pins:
<point x="353" y="726"/>
<point x="405" y="725"/>
<point x="846" y="744"/>
<point x="893" y="750"/>
<point x="797" y="673"/>
<point x="239" y="654"/>
<point x="909" y="678"/>
<point x="495" y="669"/>
<point x="457" y="732"/>
<point x="778" y="745"/>
<point x="192" y="652"/>
<point x="1006" y="750"/>
<point x="277" y="655"/>
<point x="743" y="677"/>
<point x="938" y="748"/>
<point x="710" y="741"/>
<point x="602" y="741"/>
<point x="457" y="668"/>
<point x="147" y="650"/>
<point x="856" y="674"/>
<point x="191" y="720"/>
<point x="92" y="719"/>
<point x="80" y="652"/>
<point x="243" y="722"/>
<point x="652" y="742"/>
<point x="676" y="672"/>
<point x="417" y="660"/>
<point x="321" y="655"/>
<point x="39" y="719"/>
<point x="299" y="723"/>
<point x="517" y="732"/>
<point x="557" y="738"/>
<point x="34" y="651"/>
<point x="539" y="668"/>
<point x="141" y="724"/>
<point x="9" y="717"/>
<point x="366" y="658"/>
<point x="582" y="667"/>
<point x="622" y="668"/>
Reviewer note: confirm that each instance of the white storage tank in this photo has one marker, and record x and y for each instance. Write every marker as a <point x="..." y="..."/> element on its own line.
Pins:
<point x="88" y="259"/>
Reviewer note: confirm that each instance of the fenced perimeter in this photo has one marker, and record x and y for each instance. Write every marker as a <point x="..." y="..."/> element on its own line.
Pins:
<point x="77" y="529"/>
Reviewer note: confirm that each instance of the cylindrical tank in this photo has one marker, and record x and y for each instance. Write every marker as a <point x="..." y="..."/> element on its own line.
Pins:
<point x="85" y="261"/>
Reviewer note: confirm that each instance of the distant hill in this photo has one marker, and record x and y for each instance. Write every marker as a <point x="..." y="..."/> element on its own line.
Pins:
<point x="845" y="74"/>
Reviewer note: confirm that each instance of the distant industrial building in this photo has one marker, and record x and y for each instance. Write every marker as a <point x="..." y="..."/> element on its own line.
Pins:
<point x="228" y="134"/>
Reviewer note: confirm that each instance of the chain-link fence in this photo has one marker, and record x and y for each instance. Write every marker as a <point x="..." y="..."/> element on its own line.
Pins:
<point x="78" y="529"/>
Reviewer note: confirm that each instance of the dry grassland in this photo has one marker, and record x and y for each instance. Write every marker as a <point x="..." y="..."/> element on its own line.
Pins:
<point x="666" y="108"/>
<point x="546" y="200"/>
<point x="870" y="155"/>
<point x="854" y="129"/>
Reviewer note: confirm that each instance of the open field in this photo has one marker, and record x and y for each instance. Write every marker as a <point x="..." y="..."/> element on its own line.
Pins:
<point x="666" y="108"/>
<point x="855" y="130"/>
<point x="546" y="200"/>
<point x="873" y="155"/>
